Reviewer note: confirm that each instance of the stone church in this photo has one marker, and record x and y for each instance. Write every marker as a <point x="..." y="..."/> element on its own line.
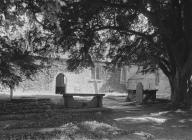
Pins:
<point x="119" y="80"/>
<point x="76" y="82"/>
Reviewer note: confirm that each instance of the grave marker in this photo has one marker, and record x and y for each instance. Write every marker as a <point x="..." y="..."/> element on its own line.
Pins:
<point x="60" y="84"/>
<point x="139" y="93"/>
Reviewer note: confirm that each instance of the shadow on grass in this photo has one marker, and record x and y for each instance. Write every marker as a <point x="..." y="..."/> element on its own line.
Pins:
<point x="155" y="119"/>
<point x="43" y="119"/>
<point x="31" y="118"/>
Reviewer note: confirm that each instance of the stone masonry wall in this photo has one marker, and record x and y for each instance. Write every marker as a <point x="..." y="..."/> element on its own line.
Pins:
<point x="81" y="82"/>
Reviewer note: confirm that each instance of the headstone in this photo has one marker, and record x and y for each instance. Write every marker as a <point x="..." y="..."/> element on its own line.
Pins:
<point x="60" y="84"/>
<point x="139" y="93"/>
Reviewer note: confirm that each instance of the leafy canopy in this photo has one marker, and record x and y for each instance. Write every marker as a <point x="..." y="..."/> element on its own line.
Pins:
<point x="22" y="44"/>
<point x="155" y="33"/>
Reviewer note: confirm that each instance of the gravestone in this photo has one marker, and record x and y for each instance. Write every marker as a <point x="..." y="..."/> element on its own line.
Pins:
<point x="60" y="84"/>
<point x="139" y="93"/>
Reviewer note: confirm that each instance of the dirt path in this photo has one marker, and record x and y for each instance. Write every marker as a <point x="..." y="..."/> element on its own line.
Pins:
<point x="155" y="120"/>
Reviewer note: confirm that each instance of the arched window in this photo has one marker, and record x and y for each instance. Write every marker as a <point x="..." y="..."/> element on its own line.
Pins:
<point x="97" y="72"/>
<point x="123" y="75"/>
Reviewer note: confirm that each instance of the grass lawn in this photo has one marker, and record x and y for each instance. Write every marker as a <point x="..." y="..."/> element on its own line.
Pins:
<point x="45" y="119"/>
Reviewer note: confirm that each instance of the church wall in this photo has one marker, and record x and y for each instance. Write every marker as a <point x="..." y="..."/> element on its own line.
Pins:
<point x="44" y="82"/>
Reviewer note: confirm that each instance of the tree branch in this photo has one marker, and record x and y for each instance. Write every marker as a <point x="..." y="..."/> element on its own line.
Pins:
<point x="149" y="37"/>
<point x="118" y="4"/>
<point x="164" y="69"/>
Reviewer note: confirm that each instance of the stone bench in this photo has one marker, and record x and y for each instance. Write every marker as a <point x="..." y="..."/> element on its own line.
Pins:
<point x="70" y="102"/>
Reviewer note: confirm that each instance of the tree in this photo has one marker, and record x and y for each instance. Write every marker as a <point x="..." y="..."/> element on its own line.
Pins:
<point x="22" y="46"/>
<point x="156" y="33"/>
<point x="163" y="39"/>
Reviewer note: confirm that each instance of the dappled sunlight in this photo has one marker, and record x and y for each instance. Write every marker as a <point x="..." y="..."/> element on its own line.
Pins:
<point x="179" y="126"/>
<point x="159" y="113"/>
<point x="185" y="121"/>
<point x="68" y="128"/>
<point x="142" y="119"/>
<point x="148" y="136"/>
<point x="124" y="121"/>
<point x="93" y="125"/>
<point x="180" y="111"/>
<point x="85" y="130"/>
<point x="100" y="128"/>
<point x="182" y="121"/>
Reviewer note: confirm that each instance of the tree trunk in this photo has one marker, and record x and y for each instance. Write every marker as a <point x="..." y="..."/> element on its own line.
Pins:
<point x="179" y="90"/>
<point x="11" y="93"/>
